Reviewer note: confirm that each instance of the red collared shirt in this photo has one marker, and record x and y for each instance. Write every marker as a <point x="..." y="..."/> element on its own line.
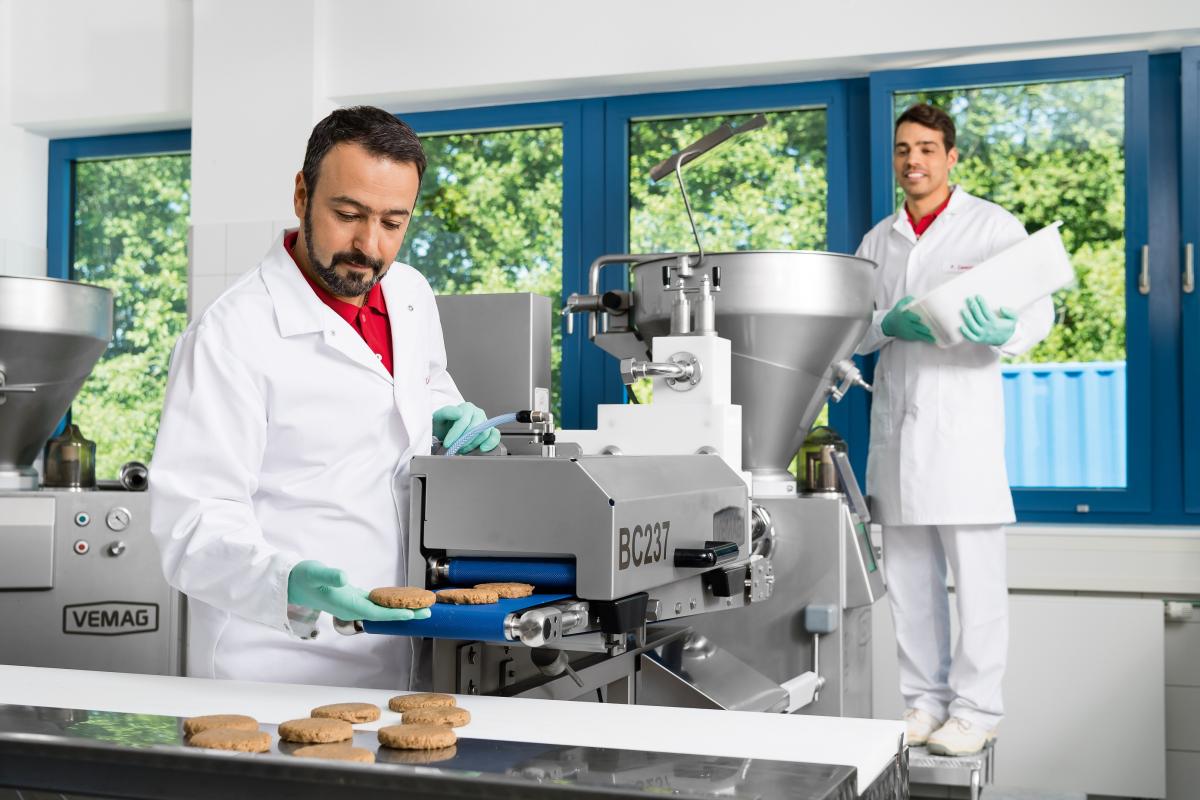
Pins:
<point x="922" y="225"/>
<point x="371" y="320"/>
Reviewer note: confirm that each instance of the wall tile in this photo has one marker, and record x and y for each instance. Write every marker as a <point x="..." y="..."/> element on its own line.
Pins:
<point x="206" y="249"/>
<point x="204" y="290"/>
<point x="245" y="245"/>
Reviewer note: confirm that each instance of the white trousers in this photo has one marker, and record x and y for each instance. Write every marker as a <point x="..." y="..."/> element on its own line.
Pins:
<point x="967" y="684"/>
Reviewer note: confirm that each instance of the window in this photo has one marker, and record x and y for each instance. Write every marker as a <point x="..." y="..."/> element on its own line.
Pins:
<point x="1062" y="139"/>
<point x="127" y="231"/>
<point x="490" y="219"/>
<point x="1046" y="152"/>
<point x="763" y="191"/>
<point x="1190" y="207"/>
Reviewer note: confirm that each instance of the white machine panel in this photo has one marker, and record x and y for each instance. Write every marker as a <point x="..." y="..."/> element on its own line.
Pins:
<point x="27" y="529"/>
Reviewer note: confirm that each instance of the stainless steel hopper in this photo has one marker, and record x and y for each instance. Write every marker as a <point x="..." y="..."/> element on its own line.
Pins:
<point x="790" y="315"/>
<point x="51" y="334"/>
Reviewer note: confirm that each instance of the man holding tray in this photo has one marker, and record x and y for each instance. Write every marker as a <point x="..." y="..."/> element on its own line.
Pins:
<point x="935" y="469"/>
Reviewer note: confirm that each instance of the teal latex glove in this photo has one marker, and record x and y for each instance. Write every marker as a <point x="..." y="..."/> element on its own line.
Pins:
<point x="451" y="422"/>
<point x="981" y="326"/>
<point x="906" y="325"/>
<point x="314" y="585"/>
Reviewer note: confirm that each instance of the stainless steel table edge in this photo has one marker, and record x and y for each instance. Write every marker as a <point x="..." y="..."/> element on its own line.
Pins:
<point x="87" y="767"/>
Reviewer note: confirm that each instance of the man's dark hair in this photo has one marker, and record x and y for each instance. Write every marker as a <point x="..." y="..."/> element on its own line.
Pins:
<point x="373" y="129"/>
<point x="930" y="117"/>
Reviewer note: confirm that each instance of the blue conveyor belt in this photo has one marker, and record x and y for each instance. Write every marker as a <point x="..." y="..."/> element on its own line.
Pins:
<point x="483" y="623"/>
<point x="543" y="573"/>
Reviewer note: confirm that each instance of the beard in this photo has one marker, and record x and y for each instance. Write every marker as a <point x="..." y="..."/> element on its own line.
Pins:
<point x="352" y="284"/>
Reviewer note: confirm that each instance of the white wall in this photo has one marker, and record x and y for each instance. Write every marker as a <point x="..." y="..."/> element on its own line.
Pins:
<point x="476" y="51"/>
<point x="82" y="67"/>
<point x="22" y="176"/>
<point x="78" y="68"/>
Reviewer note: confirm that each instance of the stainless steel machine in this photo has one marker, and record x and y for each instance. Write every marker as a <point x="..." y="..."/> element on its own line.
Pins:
<point x="80" y="581"/>
<point x="674" y="560"/>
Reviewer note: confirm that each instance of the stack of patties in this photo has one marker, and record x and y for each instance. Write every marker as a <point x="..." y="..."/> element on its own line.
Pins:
<point x="427" y="724"/>
<point x="226" y="732"/>
<point x="327" y="732"/>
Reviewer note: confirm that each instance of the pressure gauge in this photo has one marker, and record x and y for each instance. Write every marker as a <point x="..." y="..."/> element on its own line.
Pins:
<point x="118" y="519"/>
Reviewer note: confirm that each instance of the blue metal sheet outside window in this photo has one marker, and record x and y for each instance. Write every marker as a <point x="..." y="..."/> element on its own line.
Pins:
<point x="1065" y="424"/>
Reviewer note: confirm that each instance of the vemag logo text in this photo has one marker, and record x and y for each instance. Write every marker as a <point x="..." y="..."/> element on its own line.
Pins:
<point x="110" y="618"/>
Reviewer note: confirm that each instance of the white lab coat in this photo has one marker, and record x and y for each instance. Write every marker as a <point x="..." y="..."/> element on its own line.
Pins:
<point x="283" y="439"/>
<point x="936" y="455"/>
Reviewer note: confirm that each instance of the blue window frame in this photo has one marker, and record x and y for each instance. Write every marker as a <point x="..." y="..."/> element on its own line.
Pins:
<point x="1048" y="503"/>
<point x="1190" y="301"/>
<point x="64" y="154"/>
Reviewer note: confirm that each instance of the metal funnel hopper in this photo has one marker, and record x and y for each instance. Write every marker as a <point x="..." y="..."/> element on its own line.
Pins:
<point x="51" y="334"/>
<point x="790" y="315"/>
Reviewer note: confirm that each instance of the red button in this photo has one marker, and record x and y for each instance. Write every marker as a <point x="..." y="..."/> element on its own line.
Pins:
<point x="81" y="547"/>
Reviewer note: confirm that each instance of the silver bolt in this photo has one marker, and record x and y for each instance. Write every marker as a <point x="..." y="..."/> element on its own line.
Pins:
<point x="692" y="604"/>
<point x="679" y="608"/>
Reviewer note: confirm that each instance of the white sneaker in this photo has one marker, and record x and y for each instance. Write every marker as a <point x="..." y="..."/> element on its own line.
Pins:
<point x="920" y="724"/>
<point x="959" y="737"/>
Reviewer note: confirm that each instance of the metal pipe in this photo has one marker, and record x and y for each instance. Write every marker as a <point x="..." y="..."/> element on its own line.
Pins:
<point x="634" y="369"/>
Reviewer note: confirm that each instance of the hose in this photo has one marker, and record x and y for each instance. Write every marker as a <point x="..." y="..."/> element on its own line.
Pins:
<point x="471" y="433"/>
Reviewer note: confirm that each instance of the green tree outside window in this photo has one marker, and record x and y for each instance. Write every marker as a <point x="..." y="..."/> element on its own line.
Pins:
<point x="489" y="219"/>
<point x="130" y="236"/>
<point x="1046" y="152"/>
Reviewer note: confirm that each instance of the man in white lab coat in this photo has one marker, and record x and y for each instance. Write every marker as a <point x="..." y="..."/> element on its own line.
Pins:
<point x="293" y="406"/>
<point x="935" y="468"/>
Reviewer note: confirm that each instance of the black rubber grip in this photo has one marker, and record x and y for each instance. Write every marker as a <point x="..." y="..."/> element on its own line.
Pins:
<point x="711" y="555"/>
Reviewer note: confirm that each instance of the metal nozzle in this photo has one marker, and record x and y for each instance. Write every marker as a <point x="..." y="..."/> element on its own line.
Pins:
<point x="846" y="375"/>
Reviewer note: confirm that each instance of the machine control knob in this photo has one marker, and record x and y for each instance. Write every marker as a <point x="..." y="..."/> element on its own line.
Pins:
<point x="116" y="548"/>
<point x="82" y="519"/>
<point x="81" y="547"/>
<point x="118" y="519"/>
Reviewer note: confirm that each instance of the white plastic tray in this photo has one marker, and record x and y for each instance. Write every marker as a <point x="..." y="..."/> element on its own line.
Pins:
<point x="1014" y="279"/>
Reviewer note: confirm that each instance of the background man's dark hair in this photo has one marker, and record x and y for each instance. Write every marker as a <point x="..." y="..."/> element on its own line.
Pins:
<point x="930" y="117"/>
<point x="373" y="129"/>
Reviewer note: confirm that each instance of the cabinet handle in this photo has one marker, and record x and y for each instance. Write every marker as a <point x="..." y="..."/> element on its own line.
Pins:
<point x="1189" y="268"/>
<point x="1144" y="275"/>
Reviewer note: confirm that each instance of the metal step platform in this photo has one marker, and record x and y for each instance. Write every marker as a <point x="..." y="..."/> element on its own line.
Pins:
<point x="932" y="776"/>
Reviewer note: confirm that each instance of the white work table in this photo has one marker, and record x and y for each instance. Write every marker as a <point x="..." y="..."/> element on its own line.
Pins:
<point x="867" y="745"/>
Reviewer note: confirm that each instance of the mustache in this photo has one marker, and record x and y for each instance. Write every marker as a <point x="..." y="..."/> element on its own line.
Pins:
<point x="356" y="257"/>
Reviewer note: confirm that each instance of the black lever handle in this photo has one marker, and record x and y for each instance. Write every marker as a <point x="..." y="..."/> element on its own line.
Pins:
<point x="711" y="555"/>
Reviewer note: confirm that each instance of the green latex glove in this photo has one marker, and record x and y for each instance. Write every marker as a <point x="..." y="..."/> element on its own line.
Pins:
<point x="315" y="585"/>
<point x="451" y="422"/>
<point x="906" y="325"/>
<point x="981" y="326"/>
